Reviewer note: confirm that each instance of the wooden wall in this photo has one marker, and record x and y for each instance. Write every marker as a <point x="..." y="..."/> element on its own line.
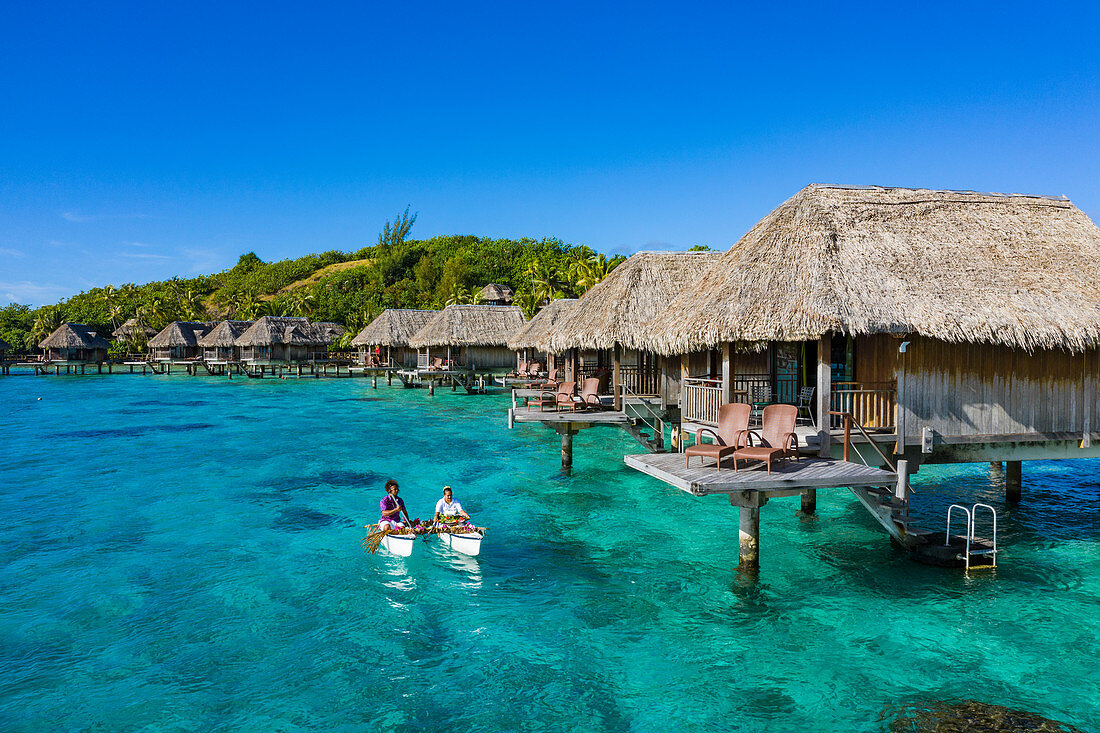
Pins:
<point x="877" y="358"/>
<point x="484" y="357"/>
<point x="972" y="389"/>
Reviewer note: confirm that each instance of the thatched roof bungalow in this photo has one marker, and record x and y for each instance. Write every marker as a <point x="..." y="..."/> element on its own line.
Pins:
<point x="950" y="316"/>
<point x="179" y="340"/>
<point x="608" y="318"/>
<point x="219" y="344"/>
<point x="538" y="330"/>
<point x="282" y="339"/>
<point x="4" y="348"/>
<point x="75" y="342"/>
<point x="392" y="329"/>
<point x="471" y="335"/>
<point x="133" y="331"/>
<point x="496" y="294"/>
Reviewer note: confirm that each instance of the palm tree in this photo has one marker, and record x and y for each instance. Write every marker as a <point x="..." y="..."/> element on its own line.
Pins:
<point x="48" y="320"/>
<point x="191" y="306"/>
<point x="459" y="295"/>
<point x="153" y="314"/>
<point x="302" y="302"/>
<point x="108" y="296"/>
<point x="547" y="282"/>
<point x="244" y="305"/>
<point x="526" y="300"/>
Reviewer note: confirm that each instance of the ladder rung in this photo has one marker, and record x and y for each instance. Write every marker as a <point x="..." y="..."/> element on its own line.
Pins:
<point x="982" y="552"/>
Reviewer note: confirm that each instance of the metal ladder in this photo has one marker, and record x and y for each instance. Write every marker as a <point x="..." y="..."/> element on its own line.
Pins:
<point x="971" y="515"/>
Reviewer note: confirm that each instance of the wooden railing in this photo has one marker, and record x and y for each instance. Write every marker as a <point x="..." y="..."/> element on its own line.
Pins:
<point x="700" y="399"/>
<point x="641" y="381"/>
<point x="871" y="404"/>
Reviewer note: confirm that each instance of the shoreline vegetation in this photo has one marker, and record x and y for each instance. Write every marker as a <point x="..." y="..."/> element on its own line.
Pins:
<point x="350" y="288"/>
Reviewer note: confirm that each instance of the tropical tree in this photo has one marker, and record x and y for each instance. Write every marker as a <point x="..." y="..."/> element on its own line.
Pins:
<point x="460" y="295"/>
<point x="245" y="306"/>
<point x="396" y="233"/>
<point x="191" y="306"/>
<point x="302" y="302"/>
<point x="109" y="298"/>
<point x="48" y="320"/>
<point x="547" y="282"/>
<point x="527" y="302"/>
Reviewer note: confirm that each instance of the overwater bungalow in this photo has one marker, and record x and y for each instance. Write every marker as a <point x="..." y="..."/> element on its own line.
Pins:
<point x="496" y="294"/>
<point x="4" y="348"/>
<point x="179" y="341"/>
<point x="607" y="320"/>
<point x="470" y="336"/>
<point x="134" y="332"/>
<point x="386" y="338"/>
<point x="956" y="326"/>
<point x="282" y="339"/>
<point x="219" y="344"/>
<point x="528" y="342"/>
<point x="75" y="343"/>
<point x="333" y="332"/>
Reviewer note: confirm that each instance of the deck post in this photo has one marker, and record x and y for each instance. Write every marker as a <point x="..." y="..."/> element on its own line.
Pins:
<point x="748" y="533"/>
<point x="727" y="372"/>
<point x="389" y="378"/>
<point x="809" y="501"/>
<point x="1013" y="481"/>
<point x="566" y="450"/>
<point x="431" y="387"/>
<point x="616" y="374"/>
<point x="824" y="392"/>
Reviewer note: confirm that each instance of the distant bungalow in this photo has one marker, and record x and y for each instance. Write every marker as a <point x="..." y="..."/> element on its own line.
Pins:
<point x="4" y="347"/>
<point x="219" y="345"/>
<point x="529" y="341"/>
<point x="392" y="329"/>
<point x="133" y="331"/>
<point x="75" y="343"/>
<point x="471" y="336"/>
<point x="284" y="339"/>
<point x="495" y="294"/>
<point x="179" y="340"/>
<point x="600" y="332"/>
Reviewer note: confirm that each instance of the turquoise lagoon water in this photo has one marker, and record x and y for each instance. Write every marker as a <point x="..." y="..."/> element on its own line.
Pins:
<point x="183" y="554"/>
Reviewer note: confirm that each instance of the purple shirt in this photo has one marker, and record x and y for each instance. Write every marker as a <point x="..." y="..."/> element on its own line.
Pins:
<point x="389" y="502"/>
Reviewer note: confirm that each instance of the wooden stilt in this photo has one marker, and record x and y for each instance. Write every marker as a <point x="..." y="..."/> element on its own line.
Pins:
<point x="809" y="501"/>
<point x="748" y="535"/>
<point x="431" y="386"/>
<point x="1013" y="481"/>
<point x="566" y="452"/>
<point x="617" y="376"/>
<point x="374" y="381"/>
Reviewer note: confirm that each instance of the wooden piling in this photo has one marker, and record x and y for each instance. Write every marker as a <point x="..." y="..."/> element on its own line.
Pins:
<point x="566" y="451"/>
<point x="431" y="386"/>
<point x="748" y="534"/>
<point x="1013" y="481"/>
<point x="374" y="381"/>
<point x="809" y="501"/>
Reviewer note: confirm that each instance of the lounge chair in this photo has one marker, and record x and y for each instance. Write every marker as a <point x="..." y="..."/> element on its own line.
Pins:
<point x="589" y="396"/>
<point x="551" y="380"/>
<point x="729" y="436"/>
<point x="437" y="364"/>
<point x="563" y="395"/>
<point x="776" y="439"/>
<point x="518" y="373"/>
<point x="534" y="369"/>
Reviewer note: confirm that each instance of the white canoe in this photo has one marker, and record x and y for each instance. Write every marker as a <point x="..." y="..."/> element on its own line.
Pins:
<point x="399" y="544"/>
<point x="468" y="543"/>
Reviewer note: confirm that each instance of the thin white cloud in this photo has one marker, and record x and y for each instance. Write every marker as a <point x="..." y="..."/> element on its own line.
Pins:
<point x="144" y="256"/>
<point x="78" y="218"/>
<point x="25" y="291"/>
<point x="7" y="252"/>
<point x="138" y="244"/>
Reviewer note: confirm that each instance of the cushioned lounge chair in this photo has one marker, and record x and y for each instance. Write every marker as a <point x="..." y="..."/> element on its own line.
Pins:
<point x="733" y="425"/>
<point x="776" y="439"/>
<point x="562" y="396"/>
<point x="589" y="398"/>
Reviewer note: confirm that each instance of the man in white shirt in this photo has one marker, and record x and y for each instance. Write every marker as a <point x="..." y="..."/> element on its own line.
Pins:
<point x="448" y="507"/>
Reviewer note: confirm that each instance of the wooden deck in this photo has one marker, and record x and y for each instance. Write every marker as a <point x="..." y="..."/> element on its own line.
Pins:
<point x="786" y="479"/>
<point x="550" y="417"/>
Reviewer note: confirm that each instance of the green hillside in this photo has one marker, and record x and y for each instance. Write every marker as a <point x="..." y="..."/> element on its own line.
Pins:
<point x="345" y="287"/>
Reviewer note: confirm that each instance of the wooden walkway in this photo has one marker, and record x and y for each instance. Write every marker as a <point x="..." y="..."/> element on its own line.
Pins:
<point x="550" y="417"/>
<point x="786" y="479"/>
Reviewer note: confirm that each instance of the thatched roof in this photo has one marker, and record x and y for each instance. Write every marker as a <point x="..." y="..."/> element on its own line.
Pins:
<point x="470" y="325"/>
<point x="393" y="327"/>
<point x="545" y="322"/>
<point x="224" y="334"/>
<point x="1022" y="271"/>
<point x="74" y="336"/>
<point x="180" y="333"/>
<point x="333" y="331"/>
<point x="133" y="328"/>
<point x="270" y="330"/>
<point x="496" y="293"/>
<point x="614" y="310"/>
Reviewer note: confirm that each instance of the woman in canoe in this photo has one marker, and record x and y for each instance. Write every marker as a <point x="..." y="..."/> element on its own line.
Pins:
<point x="449" y="509"/>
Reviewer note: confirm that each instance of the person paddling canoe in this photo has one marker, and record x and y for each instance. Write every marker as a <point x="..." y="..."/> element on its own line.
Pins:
<point x="392" y="508"/>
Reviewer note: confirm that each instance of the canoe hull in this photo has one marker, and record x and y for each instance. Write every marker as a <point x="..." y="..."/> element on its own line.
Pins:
<point x="468" y="543"/>
<point x="399" y="544"/>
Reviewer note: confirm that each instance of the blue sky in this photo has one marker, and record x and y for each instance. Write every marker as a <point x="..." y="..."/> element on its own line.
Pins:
<point x="146" y="140"/>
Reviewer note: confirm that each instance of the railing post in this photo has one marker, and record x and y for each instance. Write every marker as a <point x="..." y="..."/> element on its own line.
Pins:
<point x="824" y="392"/>
<point x="847" y="433"/>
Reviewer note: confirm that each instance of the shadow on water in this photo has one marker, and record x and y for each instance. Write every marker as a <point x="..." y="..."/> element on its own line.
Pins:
<point x="302" y="518"/>
<point x="132" y="431"/>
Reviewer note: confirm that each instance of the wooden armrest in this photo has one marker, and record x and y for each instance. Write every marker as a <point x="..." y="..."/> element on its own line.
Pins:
<point x="699" y="436"/>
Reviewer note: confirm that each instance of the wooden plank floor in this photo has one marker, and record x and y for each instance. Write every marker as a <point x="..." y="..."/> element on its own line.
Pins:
<point x="593" y="417"/>
<point x="808" y="473"/>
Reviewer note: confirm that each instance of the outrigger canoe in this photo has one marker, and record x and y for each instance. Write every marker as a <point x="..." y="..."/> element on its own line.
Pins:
<point x="468" y="543"/>
<point x="400" y="544"/>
